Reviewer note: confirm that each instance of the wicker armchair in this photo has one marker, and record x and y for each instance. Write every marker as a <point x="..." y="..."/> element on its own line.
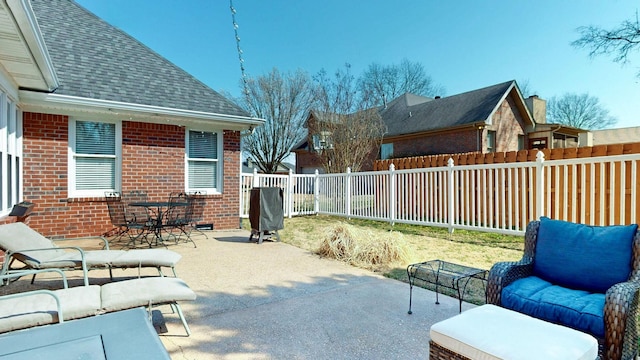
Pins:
<point x="621" y="300"/>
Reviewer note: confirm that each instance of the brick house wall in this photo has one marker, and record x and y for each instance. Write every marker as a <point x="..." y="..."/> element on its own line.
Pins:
<point x="152" y="160"/>
<point x="508" y="124"/>
<point x="464" y="140"/>
<point x="306" y="160"/>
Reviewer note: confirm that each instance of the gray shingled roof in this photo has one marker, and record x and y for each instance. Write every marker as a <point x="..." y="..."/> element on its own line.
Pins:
<point x="96" y="60"/>
<point x="409" y="113"/>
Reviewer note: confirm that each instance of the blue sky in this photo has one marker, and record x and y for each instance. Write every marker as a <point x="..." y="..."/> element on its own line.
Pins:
<point x="463" y="45"/>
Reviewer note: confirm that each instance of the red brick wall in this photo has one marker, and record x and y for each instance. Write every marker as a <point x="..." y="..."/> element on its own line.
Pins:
<point x="464" y="140"/>
<point x="152" y="160"/>
<point x="306" y="159"/>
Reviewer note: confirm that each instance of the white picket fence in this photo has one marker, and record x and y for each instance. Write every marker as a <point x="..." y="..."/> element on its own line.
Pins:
<point x="499" y="198"/>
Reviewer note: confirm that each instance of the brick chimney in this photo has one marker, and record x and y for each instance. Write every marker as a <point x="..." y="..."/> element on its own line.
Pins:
<point x="538" y="108"/>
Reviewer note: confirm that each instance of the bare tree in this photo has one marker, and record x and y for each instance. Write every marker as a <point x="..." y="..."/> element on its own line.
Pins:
<point x="619" y="41"/>
<point x="283" y="100"/>
<point x="580" y="111"/>
<point x="525" y="88"/>
<point x="384" y="83"/>
<point x="347" y="129"/>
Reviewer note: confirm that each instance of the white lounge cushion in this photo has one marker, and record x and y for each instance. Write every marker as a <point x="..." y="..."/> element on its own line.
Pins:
<point x="146" y="257"/>
<point x="491" y="332"/>
<point x="18" y="236"/>
<point x="94" y="258"/>
<point x="121" y="295"/>
<point x="40" y="309"/>
<point x="82" y="301"/>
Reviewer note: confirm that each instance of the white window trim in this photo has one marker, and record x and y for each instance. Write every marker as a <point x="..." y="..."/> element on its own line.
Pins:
<point x="220" y="162"/>
<point x="4" y="124"/>
<point x="71" y="169"/>
<point x="10" y="144"/>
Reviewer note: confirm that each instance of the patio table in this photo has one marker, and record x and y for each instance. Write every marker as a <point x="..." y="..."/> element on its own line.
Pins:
<point x="159" y="210"/>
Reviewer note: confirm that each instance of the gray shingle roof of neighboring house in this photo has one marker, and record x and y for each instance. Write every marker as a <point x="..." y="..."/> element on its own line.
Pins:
<point x="410" y="113"/>
<point x="93" y="59"/>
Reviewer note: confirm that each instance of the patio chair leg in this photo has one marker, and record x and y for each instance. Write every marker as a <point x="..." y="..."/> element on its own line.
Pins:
<point x="184" y="321"/>
<point x="193" y="227"/>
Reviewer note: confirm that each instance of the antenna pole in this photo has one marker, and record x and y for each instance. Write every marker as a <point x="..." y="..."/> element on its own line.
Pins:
<point x="235" y="30"/>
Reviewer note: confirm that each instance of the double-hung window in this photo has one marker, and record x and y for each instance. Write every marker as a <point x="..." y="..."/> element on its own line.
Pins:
<point x="94" y="164"/>
<point x="10" y="153"/>
<point x="204" y="150"/>
<point x="491" y="141"/>
<point x="386" y="151"/>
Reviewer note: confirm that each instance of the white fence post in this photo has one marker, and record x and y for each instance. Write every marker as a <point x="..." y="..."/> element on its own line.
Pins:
<point x="256" y="181"/>
<point x="316" y="192"/>
<point x="539" y="184"/>
<point x="347" y="190"/>
<point x="450" y="195"/>
<point x="392" y="194"/>
<point x="290" y="187"/>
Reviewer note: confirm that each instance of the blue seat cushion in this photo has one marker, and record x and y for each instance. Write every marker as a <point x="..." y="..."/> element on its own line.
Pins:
<point x="578" y="309"/>
<point x="577" y="256"/>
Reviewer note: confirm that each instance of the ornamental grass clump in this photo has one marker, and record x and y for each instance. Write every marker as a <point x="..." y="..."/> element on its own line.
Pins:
<point x="359" y="247"/>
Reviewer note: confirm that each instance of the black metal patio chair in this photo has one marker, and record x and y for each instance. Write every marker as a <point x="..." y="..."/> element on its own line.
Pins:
<point x="178" y="216"/>
<point x="138" y="221"/>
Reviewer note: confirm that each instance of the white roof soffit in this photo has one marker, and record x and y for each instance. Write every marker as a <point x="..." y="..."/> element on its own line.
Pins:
<point x="29" y="33"/>
<point x="78" y="106"/>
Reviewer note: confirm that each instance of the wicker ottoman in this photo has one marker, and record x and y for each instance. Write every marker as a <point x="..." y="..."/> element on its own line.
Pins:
<point x="491" y="332"/>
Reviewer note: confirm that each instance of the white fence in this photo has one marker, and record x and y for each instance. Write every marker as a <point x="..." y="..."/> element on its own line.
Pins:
<point x="500" y="198"/>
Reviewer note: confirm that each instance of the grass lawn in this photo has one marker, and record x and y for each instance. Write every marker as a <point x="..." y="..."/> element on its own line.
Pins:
<point x="471" y="248"/>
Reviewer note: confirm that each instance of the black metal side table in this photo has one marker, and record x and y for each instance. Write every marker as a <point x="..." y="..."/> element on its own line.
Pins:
<point x="443" y="273"/>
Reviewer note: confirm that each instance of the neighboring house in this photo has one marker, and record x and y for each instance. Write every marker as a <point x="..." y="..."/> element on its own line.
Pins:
<point x="86" y="108"/>
<point x="490" y="119"/>
<point x="248" y="166"/>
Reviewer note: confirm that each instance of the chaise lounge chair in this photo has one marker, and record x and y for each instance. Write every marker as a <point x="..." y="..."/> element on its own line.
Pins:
<point x="35" y="251"/>
<point x="44" y="307"/>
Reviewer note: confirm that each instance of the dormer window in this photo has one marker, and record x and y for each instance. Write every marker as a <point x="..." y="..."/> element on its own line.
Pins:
<point x="322" y="141"/>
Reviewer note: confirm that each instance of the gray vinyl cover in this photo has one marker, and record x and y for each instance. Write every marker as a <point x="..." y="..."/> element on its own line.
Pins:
<point x="265" y="209"/>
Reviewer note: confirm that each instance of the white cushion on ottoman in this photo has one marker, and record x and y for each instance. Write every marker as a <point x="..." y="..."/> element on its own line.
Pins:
<point x="492" y="332"/>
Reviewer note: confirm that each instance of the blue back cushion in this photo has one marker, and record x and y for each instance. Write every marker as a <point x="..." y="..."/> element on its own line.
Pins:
<point x="577" y="256"/>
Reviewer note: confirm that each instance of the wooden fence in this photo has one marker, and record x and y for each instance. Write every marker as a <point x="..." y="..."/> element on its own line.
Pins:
<point x="476" y="158"/>
<point x="590" y="185"/>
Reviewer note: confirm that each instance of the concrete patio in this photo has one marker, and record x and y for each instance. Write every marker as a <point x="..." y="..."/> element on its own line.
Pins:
<point x="277" y="301"/>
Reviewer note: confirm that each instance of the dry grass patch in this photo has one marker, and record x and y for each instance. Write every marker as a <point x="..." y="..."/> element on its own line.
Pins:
<point x="418" y="243"/>
<point x="363" y="248"/>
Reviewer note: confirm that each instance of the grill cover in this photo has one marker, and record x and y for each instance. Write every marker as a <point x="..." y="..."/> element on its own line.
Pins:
<point x="265" y="209"/>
